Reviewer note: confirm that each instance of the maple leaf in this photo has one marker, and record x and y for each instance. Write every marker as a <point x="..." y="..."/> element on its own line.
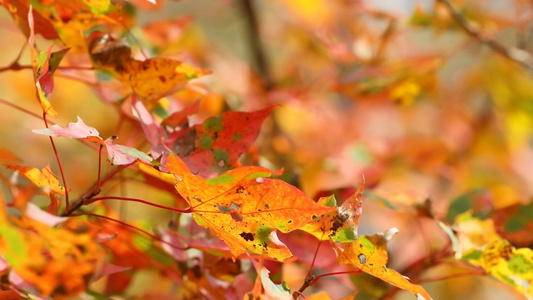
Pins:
<point x="244" y="209"/>
<point x="150" y="79"/>
<point x="341" y="224"/>
<point x="117" y="154"/>
<point x="61" y="261"/>
<point x="208" y="148"/>
<point x="45" y="179"/>
<point x="369" y="254"/>
<point x="44" y="64"/>
<point x="219" y="141"/>
<point x="154" y="78"/>
<point x="19" y="11"/>
<point x="506" y="263"/>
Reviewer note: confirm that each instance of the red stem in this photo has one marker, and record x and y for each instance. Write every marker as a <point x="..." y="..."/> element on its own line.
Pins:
<point x="67" y="202"/>
<point x="97" y="186"/>
<point x="300" y="294"/>
<point x="132" y="227"/>
<point x="89" y="201"/>
<point x="314" y="257"/>
<point x="122" y="167"/>
<point x="22" y="109"/>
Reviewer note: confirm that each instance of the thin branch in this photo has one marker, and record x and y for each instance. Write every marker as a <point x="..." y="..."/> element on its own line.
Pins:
<point x="132" y="227"/>
<point x="89" y="201"/>
<point x="521" y="57"/>
<point x="92" y="192"/>
<point x="67" y="202"/>
<point x="36" y="115"/>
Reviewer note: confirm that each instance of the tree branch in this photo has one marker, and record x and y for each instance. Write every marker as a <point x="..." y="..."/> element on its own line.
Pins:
<point x="518" y="56"/>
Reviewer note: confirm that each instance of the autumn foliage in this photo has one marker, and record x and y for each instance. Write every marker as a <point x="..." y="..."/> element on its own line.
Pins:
<point x="275" y="149"/>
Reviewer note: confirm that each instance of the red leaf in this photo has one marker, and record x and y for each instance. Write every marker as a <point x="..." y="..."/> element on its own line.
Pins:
<point x="221" y="140"/>
<point x="19" y="11"/>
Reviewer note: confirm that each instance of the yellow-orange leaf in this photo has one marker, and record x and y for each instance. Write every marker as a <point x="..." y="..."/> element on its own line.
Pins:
<point x="244" y="209"/>
<point x="45" y="179"/>
<point x="369" y="254"/>
<point x="153" y="78"/>
<point x="50" y="260"/>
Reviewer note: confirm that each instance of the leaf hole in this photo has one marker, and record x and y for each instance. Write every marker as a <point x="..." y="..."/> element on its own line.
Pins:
<point x="362" y="258"/>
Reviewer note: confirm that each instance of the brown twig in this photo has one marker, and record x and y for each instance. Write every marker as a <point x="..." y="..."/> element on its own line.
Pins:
<point x="257" y="51"/>
<point x="518" y="56"/>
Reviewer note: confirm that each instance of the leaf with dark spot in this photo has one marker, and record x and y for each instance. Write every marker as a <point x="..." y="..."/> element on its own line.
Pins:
<point x="339" y="225"/>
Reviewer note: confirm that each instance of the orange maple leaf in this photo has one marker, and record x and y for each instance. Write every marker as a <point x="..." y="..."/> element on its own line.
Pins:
<point x="244" y="209"/>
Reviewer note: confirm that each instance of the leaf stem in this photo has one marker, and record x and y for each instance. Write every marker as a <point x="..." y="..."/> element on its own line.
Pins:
<point x="314" y="257"/>
<point x="89" y="201"/>
<point x="67" y="202"/>
<point x="97" y="188"/>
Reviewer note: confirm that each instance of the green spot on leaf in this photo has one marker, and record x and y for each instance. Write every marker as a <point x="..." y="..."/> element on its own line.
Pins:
<point x="199" y="220"/>
<point x="519" y="264"/>
<point x="345" y="236"/>
<point x="331" y="201"/>
<point x="474" y="255"/>
<point x="236" y="137"/>
<point x="190" y="76"/>
<point x="222" y="179"/>
<point x="213" y="124"/>
<point x="263" y="233"/>
<point x="205" y="142"/>
<point x="221" y="158"/>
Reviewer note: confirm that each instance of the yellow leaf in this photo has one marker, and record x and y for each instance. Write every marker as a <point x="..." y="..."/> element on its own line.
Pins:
<point x="153" y="78"/>
<point x="369" y="254"/>
<point x="45" y="179"/>
<point x="506" y="263"/>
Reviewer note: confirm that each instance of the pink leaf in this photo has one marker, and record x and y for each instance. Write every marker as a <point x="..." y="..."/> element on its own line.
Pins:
<point x="42" y="216"/>
<point x="117" y="154"/>
<point x="123" y="155"/>
<point x="76" y="130"/>
<point x="109" y="269"/>
<point x="152" y="129"/>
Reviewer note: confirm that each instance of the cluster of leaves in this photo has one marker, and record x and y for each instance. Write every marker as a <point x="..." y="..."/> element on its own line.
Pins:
<point x="235" y="228"/>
